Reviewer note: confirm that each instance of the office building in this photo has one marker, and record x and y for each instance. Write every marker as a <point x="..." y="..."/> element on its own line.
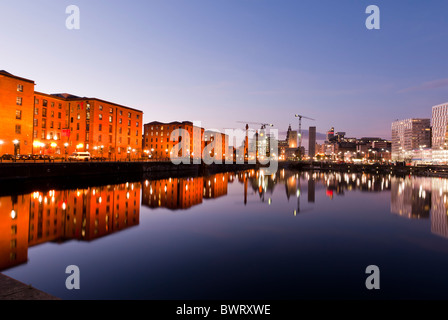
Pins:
<point x="312" y="142"/>
<point x="408" y="137"/>
<point x="440" y="133"/>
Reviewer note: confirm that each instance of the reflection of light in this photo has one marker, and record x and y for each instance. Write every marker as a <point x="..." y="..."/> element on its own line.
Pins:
<point x="13" y="214"/>
<point x="100" y="199"/>
<point x="64" y="206"/>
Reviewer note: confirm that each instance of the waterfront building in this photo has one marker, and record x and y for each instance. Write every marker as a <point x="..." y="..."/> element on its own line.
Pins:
<point x="60" y="124"/>
<point x="218" y="153"/>
<point x="16" y="114"/>
<point x="105" y="129"/>
<point x="409" y="136"/>
<point x="160" y="138"/>
<point x="440" y="133"/>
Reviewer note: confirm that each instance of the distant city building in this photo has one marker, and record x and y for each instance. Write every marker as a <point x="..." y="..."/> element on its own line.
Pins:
<point x="291" y="137"/>
<point x="409" y="136"/>
<point x="312" y="142"/>
<point x="330" y="134"/>
<point x="440" y="133"/>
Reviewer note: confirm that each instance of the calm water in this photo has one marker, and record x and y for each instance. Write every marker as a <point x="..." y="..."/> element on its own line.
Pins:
<point x="233" y="236"/>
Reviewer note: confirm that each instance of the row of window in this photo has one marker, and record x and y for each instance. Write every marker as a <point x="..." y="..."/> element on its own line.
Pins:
<point x="45" y="103"/>
<point x="44" y="113"/>
<point x="44" y="124"/>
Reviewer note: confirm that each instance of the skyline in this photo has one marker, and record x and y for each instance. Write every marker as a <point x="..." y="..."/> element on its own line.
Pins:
<point x="222" y="62"/>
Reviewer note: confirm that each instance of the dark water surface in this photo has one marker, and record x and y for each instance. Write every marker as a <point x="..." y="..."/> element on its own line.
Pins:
<point x="233" y="236"/>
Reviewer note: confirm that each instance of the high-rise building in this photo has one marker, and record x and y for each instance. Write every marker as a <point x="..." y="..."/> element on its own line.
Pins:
<point x="330" y="134"/>
<point x="440" y="133"/>
<point x="408" y="136"/>
<point x="291" y="137"/>
<point x="312" y="142"/>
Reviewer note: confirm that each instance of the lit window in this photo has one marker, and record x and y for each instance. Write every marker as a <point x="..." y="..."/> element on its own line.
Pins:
<point x="19" y="101"/>
<point x="19" y="114"/>
<point x="20" y="88"/>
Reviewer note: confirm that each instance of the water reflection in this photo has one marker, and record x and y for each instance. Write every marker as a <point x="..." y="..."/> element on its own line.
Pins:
<point x="88" y="214"/>
<point x="60" y="216"/>
<point x="183" y="193"/>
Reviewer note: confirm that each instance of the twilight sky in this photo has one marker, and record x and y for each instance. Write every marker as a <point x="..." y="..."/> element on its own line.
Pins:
<point x="223" y="61"/>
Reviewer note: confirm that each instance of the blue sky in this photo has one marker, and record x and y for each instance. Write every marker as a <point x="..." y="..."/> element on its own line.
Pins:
<point x="223" y="61"/>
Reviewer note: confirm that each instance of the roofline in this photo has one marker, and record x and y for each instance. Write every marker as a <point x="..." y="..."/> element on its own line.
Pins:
<point x="49" y="95"/>
<point x="7" y="74"/>
<point x="169" y="123"/>
<point x="104" y="101"/>
<point x="84" y="99"/>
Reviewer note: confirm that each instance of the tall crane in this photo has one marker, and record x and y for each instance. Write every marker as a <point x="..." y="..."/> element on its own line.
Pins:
<point x="300" y="127"/>
<point x="263" y="125"/>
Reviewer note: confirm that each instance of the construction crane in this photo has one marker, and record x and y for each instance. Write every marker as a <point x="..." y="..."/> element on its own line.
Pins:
<point x="300" y="128"/>
<point x="263" y="125"/>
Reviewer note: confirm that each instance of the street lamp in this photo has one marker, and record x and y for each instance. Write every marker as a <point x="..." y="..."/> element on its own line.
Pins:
<point x="66" y="146"/>
<point x="16" y="146"/>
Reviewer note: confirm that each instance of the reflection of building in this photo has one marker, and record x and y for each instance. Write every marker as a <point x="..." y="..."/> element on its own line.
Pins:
<point x="183" y="193"/>
<point x="439" y="214"/>
<point x="14" y="230"/>
<point x="411" y="198"/>
<point x="216" y="186"/>
<point x="173" y="193"/>
<point x="84" y="215"/>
